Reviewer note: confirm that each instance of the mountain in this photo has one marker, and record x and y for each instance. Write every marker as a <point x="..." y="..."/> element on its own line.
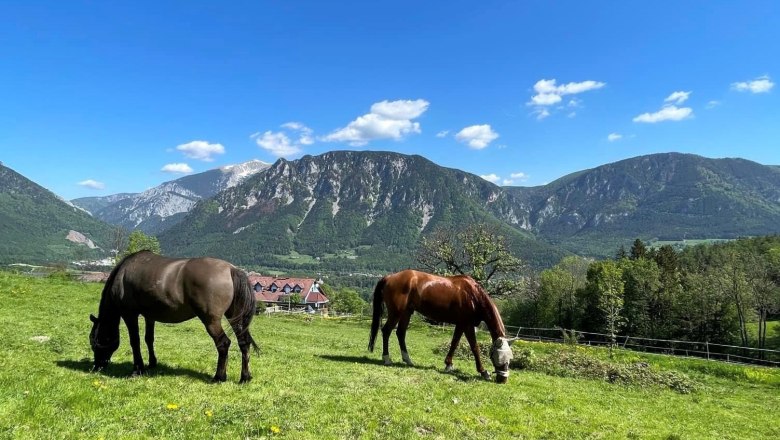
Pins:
<point x="376" y="204"/>
<point x="37" y="226"/>
<point x="669" y="196"/>
<point x="95" y="204"/>
<point x="158" y="208"/>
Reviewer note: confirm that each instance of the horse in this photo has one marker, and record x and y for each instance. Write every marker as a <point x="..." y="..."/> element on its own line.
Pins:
<point x="456" y="300"/>
<point x="173" y="290"/>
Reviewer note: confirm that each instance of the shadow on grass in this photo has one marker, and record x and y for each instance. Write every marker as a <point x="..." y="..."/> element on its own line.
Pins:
<point x="123" y="370"/>
<point x="459" y="375"/>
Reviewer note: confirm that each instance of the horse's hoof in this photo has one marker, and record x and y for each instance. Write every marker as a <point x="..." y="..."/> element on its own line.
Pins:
<point x="137" y="373"/>
<point x="387" y="360"/>
<point x="485" y="375"/>
<point x="218" y="379"/>
<point x="449" y="368"/>
<point x="152" y="364"/>
<point x="245" y="379"/>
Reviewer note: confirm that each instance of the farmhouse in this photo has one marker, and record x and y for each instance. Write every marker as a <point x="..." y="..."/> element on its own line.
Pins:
<point x="286" y="291"/>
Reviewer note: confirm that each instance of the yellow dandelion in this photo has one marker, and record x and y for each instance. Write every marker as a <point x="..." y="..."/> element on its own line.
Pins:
<point x="172" y="406"/>
<point x="275" y="429"/>
<point x="96" y="383"/>
<point x="209" y="413"/>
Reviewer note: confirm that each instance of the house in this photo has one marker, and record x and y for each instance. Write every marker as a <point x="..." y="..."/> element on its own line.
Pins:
<point x="279" y="291"/>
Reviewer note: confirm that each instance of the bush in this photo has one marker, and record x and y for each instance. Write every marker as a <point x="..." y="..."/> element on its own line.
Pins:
<point x="570" y="363"/>
<point x="524" y="358"/>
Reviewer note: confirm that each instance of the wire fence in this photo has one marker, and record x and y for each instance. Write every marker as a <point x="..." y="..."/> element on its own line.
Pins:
<point x="705" y="350"/>
<point x="670" y="347"/>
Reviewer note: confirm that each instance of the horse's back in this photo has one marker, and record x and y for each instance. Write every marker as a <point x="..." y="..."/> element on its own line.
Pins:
<point x="176" y="289"/>
<point x="437" y="297"/>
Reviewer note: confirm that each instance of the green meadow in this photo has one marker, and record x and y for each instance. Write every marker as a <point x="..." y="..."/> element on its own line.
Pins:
<point x="315" y="379"/>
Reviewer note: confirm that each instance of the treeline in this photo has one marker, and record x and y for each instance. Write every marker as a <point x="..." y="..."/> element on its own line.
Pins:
<point x="702" y="293"/>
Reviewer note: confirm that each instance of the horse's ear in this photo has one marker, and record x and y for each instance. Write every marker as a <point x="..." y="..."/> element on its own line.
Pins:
<point x="92" y="318"/>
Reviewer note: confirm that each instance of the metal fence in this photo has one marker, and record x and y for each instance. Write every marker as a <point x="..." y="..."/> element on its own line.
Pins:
<point x="705" y="350"/>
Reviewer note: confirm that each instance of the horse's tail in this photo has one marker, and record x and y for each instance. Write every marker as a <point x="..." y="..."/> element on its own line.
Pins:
<point x="377" y="316"/>
<point x="244" y="305"/>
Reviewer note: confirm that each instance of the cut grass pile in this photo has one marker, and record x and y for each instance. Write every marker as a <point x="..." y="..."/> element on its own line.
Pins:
<point x="315" y="379"/>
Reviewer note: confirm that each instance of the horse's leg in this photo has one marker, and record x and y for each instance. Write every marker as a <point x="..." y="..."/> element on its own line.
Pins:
<point x="403" y="324"/>
<point x="392" y="320"/>
<point x="453" y="345"/>
<point x="149" y="338"/>
<point x="222" y="342"/>
<point x="471" y="336"/>
<point x="244" y="339"/>
<point x="131" y="321"/>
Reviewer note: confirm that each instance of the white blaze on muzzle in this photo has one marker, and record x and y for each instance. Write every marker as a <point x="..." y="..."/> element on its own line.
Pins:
<point x="501" y="354"/>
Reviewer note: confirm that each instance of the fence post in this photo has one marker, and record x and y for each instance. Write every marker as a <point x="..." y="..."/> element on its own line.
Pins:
<point x="707" y="344"/>
<point x="625" y="342"/>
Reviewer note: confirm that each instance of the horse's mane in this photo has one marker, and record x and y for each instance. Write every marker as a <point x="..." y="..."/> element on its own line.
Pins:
<point x="104" y="296"/>
<point x="489" y="309"/>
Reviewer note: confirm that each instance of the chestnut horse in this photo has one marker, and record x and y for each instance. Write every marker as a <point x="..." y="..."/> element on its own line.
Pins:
<point x="173" y="290"/>
<point x="456" y="300"/>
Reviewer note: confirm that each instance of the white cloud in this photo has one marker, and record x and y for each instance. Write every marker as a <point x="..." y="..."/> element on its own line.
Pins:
<point x="677" y="97"/>
<point x="442" y="133"/>
<point x="201" y="150"/>
<point x="176" y="168"/>
<point x="712" y="104"/>
<point x="401" y="109"/>
<point x="612" y="137"/>
<point x="667" y="113"/>
<point x="477" y="136"/>
<point x="515" y="178"/>
<point x="762" y="84"/>
<point x="549" y="93"/>
<point x="541" y="113"/>
<point x="493" y="178"/>
<point x="92" y="184"/>
<point x="546" y="99"/>
<point x="306" y="134"/>
<point x="519" y="176"/>
<point x="277" y="143"/>
<point x="387" y="120"/>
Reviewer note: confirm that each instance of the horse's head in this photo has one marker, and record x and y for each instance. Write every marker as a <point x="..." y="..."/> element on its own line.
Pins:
<point x="104" y="343"/>
<point x="501" y="355"/>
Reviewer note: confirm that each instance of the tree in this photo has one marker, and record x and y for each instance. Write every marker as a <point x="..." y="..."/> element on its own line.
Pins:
<point x="558" y="287"/>
<point x="759" y="272"/>
<point x="346" y="301"/>
<point x="642" y="282"/>
<point x="732" y="283"/>
<point x="118" y="239"/>
<point x="478" y="251"/>
<point x="638" y="250"/>
<point x="138" y="241"/>
<point x="606" y="278"/>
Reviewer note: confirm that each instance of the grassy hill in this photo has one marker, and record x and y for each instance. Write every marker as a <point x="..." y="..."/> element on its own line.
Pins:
<point x="316" y="380"/>
<point x="34" y="224"/>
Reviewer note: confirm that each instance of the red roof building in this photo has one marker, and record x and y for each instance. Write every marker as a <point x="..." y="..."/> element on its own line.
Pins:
<point x="278" y="290"/>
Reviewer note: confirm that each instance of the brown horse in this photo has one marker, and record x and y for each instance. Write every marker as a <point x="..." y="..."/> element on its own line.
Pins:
<point x="456" y="300"/>
<point x="173" y="290"/>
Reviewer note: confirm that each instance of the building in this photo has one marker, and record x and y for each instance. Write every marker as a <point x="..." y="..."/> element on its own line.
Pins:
<point x="284" y="291"/>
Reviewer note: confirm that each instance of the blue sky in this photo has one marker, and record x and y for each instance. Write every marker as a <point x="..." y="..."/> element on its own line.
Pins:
<point x="98" y="98"/>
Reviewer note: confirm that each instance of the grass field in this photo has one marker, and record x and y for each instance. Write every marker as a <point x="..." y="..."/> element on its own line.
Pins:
<point x="316" y="380"/>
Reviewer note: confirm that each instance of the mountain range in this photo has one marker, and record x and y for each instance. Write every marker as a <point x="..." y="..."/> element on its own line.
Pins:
<point x="159" y="208"/>
<point x="369" y="209"/>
